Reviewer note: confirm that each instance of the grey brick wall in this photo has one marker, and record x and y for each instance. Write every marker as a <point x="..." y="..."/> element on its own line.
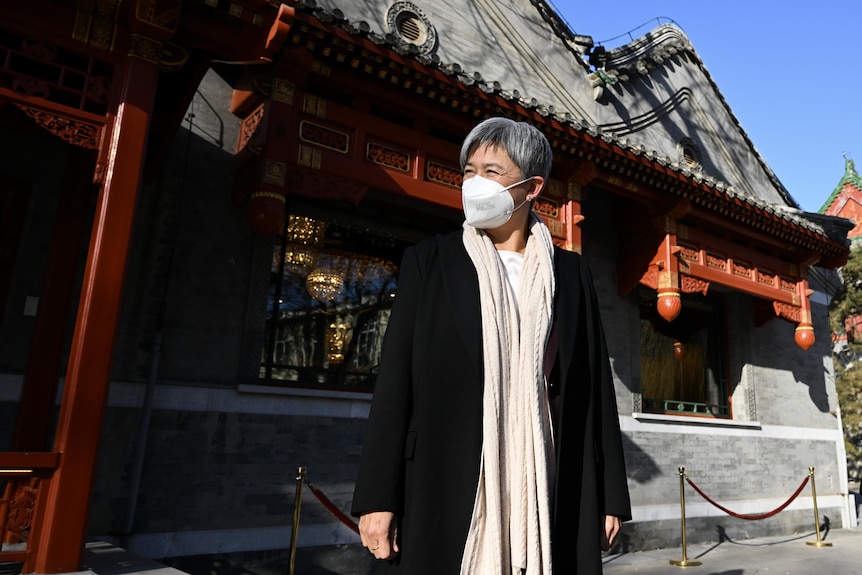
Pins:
<point x="221" y="468"/>
<point x="620" y="316"/>
<point x="188" y="232"/>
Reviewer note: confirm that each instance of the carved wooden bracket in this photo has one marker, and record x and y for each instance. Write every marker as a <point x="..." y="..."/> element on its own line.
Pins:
<point x="75" y="132"/>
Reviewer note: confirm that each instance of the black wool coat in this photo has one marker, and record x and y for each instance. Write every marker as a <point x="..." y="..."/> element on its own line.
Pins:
<point x="423" y="444"/>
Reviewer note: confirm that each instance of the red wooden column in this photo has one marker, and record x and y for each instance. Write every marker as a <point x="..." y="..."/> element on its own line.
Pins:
<point x="60" y="527"/>
<point x="572" y="218"/>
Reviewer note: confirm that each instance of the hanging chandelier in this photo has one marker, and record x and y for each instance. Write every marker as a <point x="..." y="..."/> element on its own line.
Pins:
<point x="299" y="259"/>
<point x="301" y="240"/>
<point x="324" y="285"/>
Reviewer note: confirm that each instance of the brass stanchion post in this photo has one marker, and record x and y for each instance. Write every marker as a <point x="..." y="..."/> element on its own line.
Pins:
<point x="297" y="503"/>
<point x="819" y="542"/>
<point x="684" y="562"/>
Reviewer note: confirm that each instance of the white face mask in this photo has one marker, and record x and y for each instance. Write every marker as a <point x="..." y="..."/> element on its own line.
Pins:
<point x="487" y="204"/>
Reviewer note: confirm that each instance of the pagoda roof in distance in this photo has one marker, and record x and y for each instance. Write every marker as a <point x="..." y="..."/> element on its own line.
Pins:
<point x="850" y="177"/>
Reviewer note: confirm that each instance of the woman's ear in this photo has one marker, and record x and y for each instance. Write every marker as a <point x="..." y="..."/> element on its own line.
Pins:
<point x="537" y="183"/>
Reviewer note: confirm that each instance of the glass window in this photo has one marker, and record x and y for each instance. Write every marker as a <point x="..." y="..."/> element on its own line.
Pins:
<point x="683" y="362"/>
<point x="331" y="292"/>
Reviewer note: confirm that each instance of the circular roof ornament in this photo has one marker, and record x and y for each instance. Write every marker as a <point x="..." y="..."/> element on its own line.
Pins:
<point x="409" y="22"/>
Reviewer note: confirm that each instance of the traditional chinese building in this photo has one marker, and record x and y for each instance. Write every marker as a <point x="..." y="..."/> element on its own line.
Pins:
<point x="204" y="206"/>
<point x="846" y="202"/>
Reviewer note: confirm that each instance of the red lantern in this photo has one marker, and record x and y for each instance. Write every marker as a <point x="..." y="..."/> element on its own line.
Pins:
<point x="265" y="212"/>
<point x="669" y="305"/>
<point x="804" y="336"/>
<point x="678" y="350"/>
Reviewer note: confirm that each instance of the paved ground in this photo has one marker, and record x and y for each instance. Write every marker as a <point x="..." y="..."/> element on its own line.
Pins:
<point x="788" y="555"/>
<point x="767" y="556"/>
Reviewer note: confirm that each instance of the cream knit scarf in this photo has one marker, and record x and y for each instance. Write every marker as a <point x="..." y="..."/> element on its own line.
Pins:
<point x="510" y="531"/>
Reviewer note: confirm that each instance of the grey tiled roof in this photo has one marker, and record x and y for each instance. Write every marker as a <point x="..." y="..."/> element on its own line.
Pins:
<point x="637" y="57"/>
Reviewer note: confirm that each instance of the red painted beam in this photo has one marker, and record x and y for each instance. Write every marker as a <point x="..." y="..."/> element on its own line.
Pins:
<point x="36" y="461"/>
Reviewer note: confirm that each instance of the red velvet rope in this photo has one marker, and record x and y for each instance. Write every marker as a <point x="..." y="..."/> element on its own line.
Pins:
<point x="330" y="506"/>
<point x="755" y="516"/>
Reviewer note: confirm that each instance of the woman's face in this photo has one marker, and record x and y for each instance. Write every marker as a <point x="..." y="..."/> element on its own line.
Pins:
<point x="493" y="163"/>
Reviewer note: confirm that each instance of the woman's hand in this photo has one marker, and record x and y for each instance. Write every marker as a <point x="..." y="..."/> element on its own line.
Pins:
<point x="610" y="532"/>
<point x="379" y="534"/>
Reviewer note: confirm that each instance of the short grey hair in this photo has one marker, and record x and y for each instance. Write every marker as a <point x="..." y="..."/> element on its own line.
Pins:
<point x="525" y="144"/>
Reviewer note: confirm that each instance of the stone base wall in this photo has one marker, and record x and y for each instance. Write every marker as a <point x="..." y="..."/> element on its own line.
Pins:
<point x="220" y="472"/>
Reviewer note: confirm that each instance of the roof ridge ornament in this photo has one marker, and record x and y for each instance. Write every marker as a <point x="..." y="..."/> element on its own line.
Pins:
<point x="849" y="166"/>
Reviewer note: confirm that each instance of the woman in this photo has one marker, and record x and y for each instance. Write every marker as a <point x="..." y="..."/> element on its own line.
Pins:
<point x="493" y="444"/>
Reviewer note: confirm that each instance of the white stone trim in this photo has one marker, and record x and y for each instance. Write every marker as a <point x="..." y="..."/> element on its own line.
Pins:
<point x="686" y="425"/>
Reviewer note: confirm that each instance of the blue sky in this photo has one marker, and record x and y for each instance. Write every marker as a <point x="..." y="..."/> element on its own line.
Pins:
<point x="790" y="71"/>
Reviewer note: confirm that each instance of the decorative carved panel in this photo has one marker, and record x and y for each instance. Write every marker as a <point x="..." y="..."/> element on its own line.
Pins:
<point x="324" y="136"/>
<point x="788" y="284"/>
<point x="386" y="156"/>
<point x="33" y="87"/>
<point x="251" y="131"/>
<point x="96" y="22"/>
<point x="789" y="312"/>
<point x="687" y="252"/>
<point x="272" y="172"/>
<point x="162" y="14"/>
<point x="765" y="277"/>
<point x="59" y="75"/>
<point x="716" y="261"/>
<point x="690" y="284"/>
<point x="546" y="207"/>
<point x="742" y="269"/>
<point x="145" y="48"/>
<point x="72" y="131"/>
<point x="21" y="501"/>
<point x="448" y="176"/>
<point x="282" y="91"/>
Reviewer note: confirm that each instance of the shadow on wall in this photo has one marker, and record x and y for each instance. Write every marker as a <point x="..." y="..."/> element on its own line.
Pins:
<point x="774" y="347"/>
<point x="639" y="465"/>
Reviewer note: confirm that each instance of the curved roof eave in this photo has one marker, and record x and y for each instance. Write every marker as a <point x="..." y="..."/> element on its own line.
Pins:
<point x="649" y="51"/>
<point x="455" y="75"/>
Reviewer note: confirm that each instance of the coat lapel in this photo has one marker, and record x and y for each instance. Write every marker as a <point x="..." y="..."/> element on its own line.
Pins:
<point x="567" y="307"/>
<point x="462" y="294"/>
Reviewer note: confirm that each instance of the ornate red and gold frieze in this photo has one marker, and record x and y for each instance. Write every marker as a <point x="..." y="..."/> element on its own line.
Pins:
<point x="440" y="173"/>
<point x="694" y="264"/>
<point x="388" y="156"/>
<point x="324" y="136"/>
<point x="75" y="132"/>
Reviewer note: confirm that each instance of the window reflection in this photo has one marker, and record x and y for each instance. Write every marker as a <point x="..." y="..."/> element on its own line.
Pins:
<point x="682" y="362"/>
<point x="330" y="297"/>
